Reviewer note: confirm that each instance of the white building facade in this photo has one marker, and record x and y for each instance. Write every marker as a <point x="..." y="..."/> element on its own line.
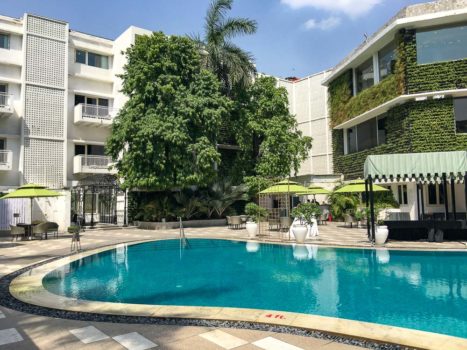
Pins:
<point x="58" y="96"/>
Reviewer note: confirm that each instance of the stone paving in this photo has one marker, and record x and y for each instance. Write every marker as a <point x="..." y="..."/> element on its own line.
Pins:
<point x="25" y="331"/>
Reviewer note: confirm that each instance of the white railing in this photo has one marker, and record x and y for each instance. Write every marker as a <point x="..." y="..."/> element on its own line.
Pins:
<point x="95" y="161"/>
<point x="5" y="100"/>
<point x="6" y="158"/>
<point x="92" y="164"/>
<point x="96" y="112"/>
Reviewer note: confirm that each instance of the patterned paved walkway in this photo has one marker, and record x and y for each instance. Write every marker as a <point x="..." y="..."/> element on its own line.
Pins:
<point x="24" y="331"/>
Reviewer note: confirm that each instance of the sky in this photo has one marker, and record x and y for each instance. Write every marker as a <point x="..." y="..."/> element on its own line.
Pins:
<point x="294" y="37"/>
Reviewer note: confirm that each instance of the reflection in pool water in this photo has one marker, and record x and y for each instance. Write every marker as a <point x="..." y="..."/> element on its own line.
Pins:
<point x="420" y="290"/>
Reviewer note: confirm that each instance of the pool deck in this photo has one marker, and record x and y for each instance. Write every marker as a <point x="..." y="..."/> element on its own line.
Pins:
<point x="39" y="332"/>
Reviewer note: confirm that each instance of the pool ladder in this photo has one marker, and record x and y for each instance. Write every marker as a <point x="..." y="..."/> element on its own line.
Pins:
<point x="183" y="240"/>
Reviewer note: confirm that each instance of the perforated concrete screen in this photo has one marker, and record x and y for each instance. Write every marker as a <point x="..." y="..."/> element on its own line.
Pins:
<point x="44" y="112"/>
<point x="44" y="109"/>
<point x="43" y="162"/>
<point x="45" y="61"/>
<point x="46" y="27"/>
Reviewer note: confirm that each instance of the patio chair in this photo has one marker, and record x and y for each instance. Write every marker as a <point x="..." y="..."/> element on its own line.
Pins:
<point x="16" y="232"/>
<point x="75" y="241"/>
<point x="52" y="227"/>
<point x="236" y="222"/>
<point x="40" y="230"/>
<point x="285" y="223"/>
<point x="274" y="224"/>
<point x="349" y="219"/>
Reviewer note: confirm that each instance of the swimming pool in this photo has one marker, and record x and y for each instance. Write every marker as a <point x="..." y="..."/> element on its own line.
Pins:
<point x="412" y="289"/>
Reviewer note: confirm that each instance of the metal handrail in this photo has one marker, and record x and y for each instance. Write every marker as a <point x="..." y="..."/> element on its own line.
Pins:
<point x="95" y="161"/>
<point x="96" y="111"/>
<point x="4" y="99"/>
<point x="183" y="240"/>
<point x="4" y="156"/>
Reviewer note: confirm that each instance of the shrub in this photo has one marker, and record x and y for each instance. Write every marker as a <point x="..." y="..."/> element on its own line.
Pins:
<point x="306" y="212"/>
<point x="255" y="212"/>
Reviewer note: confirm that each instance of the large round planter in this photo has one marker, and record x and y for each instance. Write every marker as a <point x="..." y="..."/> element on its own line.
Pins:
<point x="381" y="235"/>
<point x="251" y="228"/>
<point x="300" y="232"/>
<point x="252" y="247"/>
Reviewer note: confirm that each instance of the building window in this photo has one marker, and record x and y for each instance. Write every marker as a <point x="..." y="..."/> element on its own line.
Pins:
<point x="436" y="194"/>
<point x="442" y="44"/>
<point x="3" y="94"/>
<point x="365" y="75"/>
<point x="387" y="60"/>
<point x="92" y="59"/>
<point x="366" y="135"/>
<point x="460" y="113"/>
<point x="402" y="194"/>
<point x="92" y="150"/>
<point x="382" y="130"/>
<point x="4" y="41"/>
<point x="352" y="140"/>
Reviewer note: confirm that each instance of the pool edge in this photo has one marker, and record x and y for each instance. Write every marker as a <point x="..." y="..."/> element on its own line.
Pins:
<point x="27" y="287"/>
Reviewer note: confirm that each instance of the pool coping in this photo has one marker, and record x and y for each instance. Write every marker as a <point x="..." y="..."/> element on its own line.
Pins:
<point x="27" y="287"/>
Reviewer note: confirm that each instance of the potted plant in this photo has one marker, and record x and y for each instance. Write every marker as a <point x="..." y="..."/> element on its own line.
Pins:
<point x="382" y="232"/>
<point x="306" y="213"/>
<point x="360" y="216"/>
<point x="255" y="213"/>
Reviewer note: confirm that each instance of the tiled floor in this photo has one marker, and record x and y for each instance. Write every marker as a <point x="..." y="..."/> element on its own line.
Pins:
<point x="24" y="331"/>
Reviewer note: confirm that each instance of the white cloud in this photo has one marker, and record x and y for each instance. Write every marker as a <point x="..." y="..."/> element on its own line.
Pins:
<point x="324" y="24"/>
<point x="352" y="8"/>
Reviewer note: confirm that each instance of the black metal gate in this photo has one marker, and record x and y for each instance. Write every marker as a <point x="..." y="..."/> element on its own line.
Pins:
<point x="94" y="201"/>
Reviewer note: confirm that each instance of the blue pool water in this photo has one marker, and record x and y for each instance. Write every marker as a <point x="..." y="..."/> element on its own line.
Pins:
<point x="420" y="290"/>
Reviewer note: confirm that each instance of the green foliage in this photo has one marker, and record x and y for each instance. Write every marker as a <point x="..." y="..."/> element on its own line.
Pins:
<point x="258" y="183"/>
<point x="340" y="203"/>
<point x="255" y="212"/>
<point x="165" y="135"/>
<point x="222" y="195"/>
<point x="306" y="212"/>
<point x="233" y="66"/>
<point x="268" y="131"/>
<point x="188" y="204"/>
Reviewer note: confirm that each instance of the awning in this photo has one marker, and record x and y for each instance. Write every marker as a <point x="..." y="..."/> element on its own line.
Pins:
<point x="416" y="165"/>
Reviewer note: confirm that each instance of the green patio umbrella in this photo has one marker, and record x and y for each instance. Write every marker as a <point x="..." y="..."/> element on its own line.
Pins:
<point x="358" y="187"/>
<point x="314" y="190"/>
<point x="31" y="191"/>
<point x="285" y="186"/>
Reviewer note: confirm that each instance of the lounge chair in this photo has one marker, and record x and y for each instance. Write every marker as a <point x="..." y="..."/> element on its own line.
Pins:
<point x="349" y="219"/>
<point x="40" y="230"/>
<point x="236" y="222"/>
<point x="52" y="227"/>
<point x="16" y="232"/>
<point x="285" y="223"/>
<point x="229" y="221"/>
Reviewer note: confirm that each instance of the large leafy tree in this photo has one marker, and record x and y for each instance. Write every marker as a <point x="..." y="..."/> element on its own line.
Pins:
<point x="165" y="136"/>
<point x="272" y="146"/>
<point x="233" y="66"/>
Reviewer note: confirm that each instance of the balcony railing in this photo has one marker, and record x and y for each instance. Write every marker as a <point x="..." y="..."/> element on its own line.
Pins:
<point x="6" y="107"/>
<point x="6" y="159"/>
<point x="93" y="114"/>
<point x="92" y="164"/>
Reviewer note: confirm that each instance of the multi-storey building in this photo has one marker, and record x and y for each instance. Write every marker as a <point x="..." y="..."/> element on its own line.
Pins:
<point x="59" y="92"/>
<point x="308" y="103"/>
<point x="404" y="90"/>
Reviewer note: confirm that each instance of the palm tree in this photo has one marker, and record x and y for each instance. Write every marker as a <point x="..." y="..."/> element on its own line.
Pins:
<point x="232" y="65"/>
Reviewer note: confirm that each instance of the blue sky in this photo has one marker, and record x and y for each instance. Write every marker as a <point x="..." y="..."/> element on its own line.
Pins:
<point x="294" y="38"/>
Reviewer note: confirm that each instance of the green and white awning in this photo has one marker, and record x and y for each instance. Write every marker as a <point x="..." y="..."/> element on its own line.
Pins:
<point x="423" y="166"/>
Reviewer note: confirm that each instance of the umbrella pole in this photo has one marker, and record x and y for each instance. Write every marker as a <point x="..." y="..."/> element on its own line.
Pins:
<point x="372" y="208"/>
<point x="366" y="206"/>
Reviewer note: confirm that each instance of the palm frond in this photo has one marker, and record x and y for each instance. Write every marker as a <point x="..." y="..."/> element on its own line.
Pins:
<point x="237" y="26"/>
<point x="215" y="16"/>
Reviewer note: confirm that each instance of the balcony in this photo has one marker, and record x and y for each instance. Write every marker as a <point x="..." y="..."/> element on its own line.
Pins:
<point x="6" y="106"/>
<point x="6" y="160"/>
<point x="93" y="115"/>
<point x="88" y="164"/>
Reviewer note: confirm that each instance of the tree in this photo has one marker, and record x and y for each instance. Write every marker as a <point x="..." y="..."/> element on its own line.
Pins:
<point x="165" y="135"/>
<point x="267" y="132"/>
<point x="232" y="65"/>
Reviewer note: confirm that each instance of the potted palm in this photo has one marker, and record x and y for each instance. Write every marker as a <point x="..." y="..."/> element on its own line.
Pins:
<point x="306" y="213"/>
<point x="255" y="213"/>
<point x="360" y="216"/>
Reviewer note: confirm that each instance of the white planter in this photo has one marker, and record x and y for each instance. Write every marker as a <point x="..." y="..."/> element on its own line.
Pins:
<point x="252" y="229"/>
<point x="381" y="235"/>
<point x="300" y="232"/>
<point x="252" y="247"/>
